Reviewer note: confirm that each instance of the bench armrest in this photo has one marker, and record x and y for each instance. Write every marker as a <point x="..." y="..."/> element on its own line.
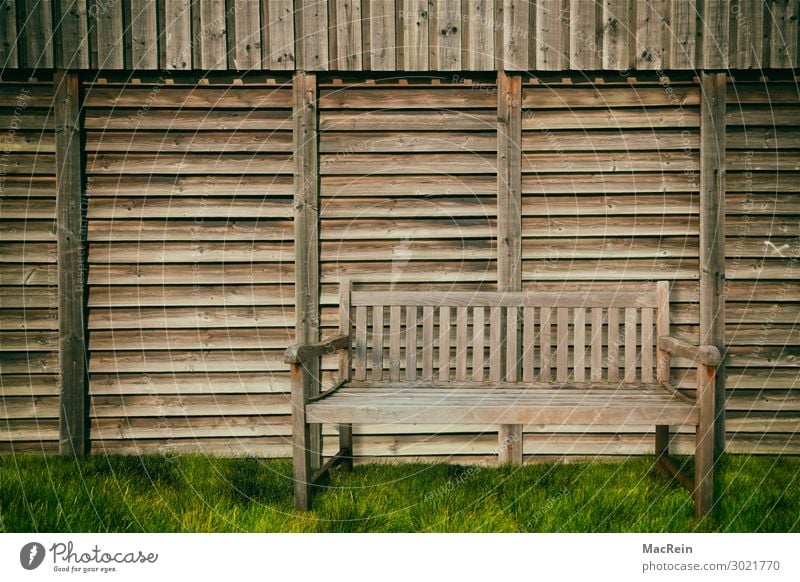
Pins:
<point x="299" y="353"/>
<point x="706" y="355"/>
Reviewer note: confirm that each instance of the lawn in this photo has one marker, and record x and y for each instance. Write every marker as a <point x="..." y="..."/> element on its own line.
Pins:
<point x="200" y="494"/>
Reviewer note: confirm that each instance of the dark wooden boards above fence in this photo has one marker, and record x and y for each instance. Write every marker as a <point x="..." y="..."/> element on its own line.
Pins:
<point x="400" y="35"/>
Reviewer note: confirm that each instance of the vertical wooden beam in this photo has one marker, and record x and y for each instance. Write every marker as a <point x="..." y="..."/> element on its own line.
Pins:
<point x="509" y="220"/>
<point x="306" y="236"/>
<point x="73" y="373"/>
<point x="712" y="231"/>
<point x="8" y="35"/>
<point x="311" y="33"/>
<point x="72" y="34"/>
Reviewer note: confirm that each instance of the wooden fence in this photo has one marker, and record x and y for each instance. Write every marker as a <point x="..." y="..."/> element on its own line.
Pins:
<point x="189" y="237"/>
<point x="399" y="35"/>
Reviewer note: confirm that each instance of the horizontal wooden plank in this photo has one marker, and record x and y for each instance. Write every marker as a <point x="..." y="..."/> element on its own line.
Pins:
<point x="412" y="186"/>
<point x="188" y="119"/>
<point x="450" y="141"/>
<point x="189" y="207"/>
<point x="430" y="97"/>
<point x="39" y="407"/>
<point x="30" y="186"/>
<point x="408" y="120"/>
<point x="218" y="185"/>
<point x="189" y="163"/>
<point x="770" y="115"/>
<point x="190" y="317"/>
<point x="29" y="362"/>
<point x="28" y="275"/>
<point x="767" y="138"/>
<point x="608" y="183"/>
<point x="29" y="141"/>
<point x="28" y="253"/>
<point x="179" y="339"/>
<point x="29" y="319"/>
<point x="635" y="96"/>
<point x="406" y="229"/>
<point x="621" y="140"/>
<point x="27" y="208"/>
<point x="29" y="297"/>
<point x="201" y="405"/>
<point x="605" y="269"/>
<point x="254" y="273"/>
<point x="187" y="361"/>
<point x="28" y="340"/>
<point x="430" y="163"/>
<point x="192" y="252"/>
<point x="30" y="385"/>
<point x="610" y="226"/>
<point x="487" y="299"/>
<point x="27" y="164"/>
<point x="229" y="382"/>
<point x="178" y="295"/>
<point x="763" y="161"/>
<point x="666" y="161"/>
<point x="205" y="229"/>
<point x="758" y="92"/>
<point x="242" y="140"/>
<point x="198" y="97"/>
<point x="643" y="204"/>
<point x="406" y="207"/>
<point x="617" y="118"/>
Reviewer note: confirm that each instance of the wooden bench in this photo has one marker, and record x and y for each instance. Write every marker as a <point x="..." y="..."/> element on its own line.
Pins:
<point x="506" y="359"/>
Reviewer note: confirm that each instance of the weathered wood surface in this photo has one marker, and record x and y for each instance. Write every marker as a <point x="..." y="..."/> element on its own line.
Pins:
<point x="405" y="35"/>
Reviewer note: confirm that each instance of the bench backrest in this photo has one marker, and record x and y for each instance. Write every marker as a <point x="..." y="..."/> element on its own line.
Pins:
<point x="485" y="337"/>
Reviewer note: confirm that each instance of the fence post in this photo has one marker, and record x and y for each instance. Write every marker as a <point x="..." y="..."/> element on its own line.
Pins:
<point x="306" y="236"/>
<point x="72" y="296"/>
<point x="712" y="232"/>
<point x="509" y="221"/>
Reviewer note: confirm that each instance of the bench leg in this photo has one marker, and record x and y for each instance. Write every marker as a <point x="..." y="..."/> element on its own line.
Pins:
<point x="301" y="441"/>
<point x="704" y="443"/>
<point x="509" y="449"/>
<point x="346" y="446"/>
<point x="662" y="441"/>
<point x="302" y="466"/>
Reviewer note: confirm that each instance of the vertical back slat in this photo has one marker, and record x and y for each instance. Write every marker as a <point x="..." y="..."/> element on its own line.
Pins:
<point x="360" y="354"/>
<point x="597" y="344"/>
<point x="562" y="347"/>
<point x="411" y="343"/>
<point x="630" y="344"/>
<point x="647" y="345"/>
<point x="613" y="344"/>
<point x="345" y="327"/>
<point x="544" y="344"/>
<point x="444" y="343"/>
<point x="579" y="366"/>
<point x="461" y="344"/>
<point x="395" y="314"/>
<point x="495" y="344"/>
<point x="528" y="343"/>
<point x="427" y="343"/>
<point x="662" y="328"/>
<point x="477" y="344"/>
<point x="512" y="347"/>
<point x="377" y="343"/>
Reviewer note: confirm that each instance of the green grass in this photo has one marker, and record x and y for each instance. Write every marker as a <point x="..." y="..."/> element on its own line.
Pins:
<point x="200" y="494"/>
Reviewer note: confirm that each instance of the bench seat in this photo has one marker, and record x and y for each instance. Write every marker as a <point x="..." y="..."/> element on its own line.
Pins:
<point x="517" y="403"/>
